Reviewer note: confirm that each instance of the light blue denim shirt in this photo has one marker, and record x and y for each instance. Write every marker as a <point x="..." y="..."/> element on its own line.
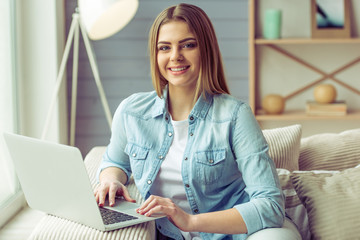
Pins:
<point x="225" y="163"/>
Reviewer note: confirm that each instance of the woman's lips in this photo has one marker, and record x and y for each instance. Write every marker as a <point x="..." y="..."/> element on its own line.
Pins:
<point x="179" y="69"/>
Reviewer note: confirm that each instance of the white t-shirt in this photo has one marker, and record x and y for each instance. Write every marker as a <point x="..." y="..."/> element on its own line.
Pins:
<point x="168" y="183"/>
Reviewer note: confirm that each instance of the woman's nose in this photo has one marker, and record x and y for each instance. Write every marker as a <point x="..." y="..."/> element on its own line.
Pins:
<point x="176" y="55"/>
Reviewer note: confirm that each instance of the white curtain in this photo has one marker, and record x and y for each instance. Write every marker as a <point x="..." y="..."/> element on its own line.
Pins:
<point x="31" y="46"/>
<point x="9" y="186"/>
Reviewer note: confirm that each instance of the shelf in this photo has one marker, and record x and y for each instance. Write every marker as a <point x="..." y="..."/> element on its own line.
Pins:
<point x="301" y="115"/>
<point x="288" y="47"/>
<point x="261" y="41"/>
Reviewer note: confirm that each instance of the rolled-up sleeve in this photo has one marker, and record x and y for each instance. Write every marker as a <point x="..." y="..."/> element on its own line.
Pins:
<point x="265" y="208"/>
<point x="115" y="155"/>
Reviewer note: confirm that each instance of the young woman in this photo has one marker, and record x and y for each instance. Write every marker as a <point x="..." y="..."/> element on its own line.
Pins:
<point x="197" y="154"/>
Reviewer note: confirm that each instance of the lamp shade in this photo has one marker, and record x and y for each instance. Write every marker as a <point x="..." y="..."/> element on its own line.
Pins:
<point x="103" y="18"/>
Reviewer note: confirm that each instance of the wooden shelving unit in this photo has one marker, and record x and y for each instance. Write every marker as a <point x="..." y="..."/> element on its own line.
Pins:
<point x="261" y="41"/>
<point x="301" y="115"/>
<point x="276" y="45"/>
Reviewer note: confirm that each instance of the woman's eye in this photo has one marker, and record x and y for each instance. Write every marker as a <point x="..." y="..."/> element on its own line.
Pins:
<point x="189" y="45"/>
<point x="164" y="48"/>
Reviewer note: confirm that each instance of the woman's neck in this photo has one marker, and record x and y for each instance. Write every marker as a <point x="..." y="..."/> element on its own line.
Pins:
<point x="180" y="102"/>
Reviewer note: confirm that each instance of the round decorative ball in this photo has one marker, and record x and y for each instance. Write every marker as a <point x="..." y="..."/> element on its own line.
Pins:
<point x="273" y="104"/>
<point x="325" y="93"/>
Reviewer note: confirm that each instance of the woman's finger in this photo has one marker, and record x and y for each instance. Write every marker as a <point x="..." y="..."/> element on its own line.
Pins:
<point x="155" y="202"/>
<point x="102" y="192"/>
<point x="126" y="195"/>
<point x="113" y="189"/>
<point x="147" y="204"/>
<point x="158" y="209"/>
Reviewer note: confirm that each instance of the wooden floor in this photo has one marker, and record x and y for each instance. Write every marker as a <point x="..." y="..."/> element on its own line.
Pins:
<point x="21" y="226"/>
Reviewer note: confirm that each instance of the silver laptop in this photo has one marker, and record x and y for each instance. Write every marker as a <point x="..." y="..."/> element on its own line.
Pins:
<point x="54" y="180"/>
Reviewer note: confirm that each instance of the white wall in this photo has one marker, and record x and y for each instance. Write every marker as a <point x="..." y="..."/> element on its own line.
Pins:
<point x="41" y="37"/>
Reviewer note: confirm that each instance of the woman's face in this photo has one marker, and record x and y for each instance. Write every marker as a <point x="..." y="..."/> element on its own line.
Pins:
<point x="178" y="55"/>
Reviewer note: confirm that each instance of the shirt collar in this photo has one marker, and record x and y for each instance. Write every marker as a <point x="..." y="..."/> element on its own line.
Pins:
<point x="200" y="109"/>
<point x="202" y="106"/>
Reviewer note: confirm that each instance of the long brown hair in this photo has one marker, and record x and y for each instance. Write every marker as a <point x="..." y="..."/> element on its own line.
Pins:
<point x="211" y="77"/>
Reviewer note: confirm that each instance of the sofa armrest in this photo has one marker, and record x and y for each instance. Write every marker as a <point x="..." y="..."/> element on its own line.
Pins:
<point x="54" y="228"/>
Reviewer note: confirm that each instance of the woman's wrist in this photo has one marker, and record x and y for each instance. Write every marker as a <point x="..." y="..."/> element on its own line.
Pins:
<point x="194" y="223"/>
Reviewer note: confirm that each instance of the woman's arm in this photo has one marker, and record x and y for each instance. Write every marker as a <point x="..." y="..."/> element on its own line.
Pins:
<point x="114" y="169"/>
<point x="265" y="208"/>
<point x="227" y="221"/>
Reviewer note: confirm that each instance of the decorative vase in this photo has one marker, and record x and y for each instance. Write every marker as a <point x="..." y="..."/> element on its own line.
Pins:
<point x="273" y="104"/>
<point x="325" y="93"/>
<point x="272" y="24"/>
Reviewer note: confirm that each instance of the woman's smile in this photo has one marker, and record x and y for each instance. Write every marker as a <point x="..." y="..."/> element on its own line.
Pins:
<point x="179" y="69"/>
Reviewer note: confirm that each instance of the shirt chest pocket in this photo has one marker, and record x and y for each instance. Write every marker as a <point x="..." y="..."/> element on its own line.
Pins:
<point x="137" y="155"/>
<point x="209" y="165"/>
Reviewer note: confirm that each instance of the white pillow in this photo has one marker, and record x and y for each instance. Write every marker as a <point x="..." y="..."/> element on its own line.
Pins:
<point x="284" y="146"/>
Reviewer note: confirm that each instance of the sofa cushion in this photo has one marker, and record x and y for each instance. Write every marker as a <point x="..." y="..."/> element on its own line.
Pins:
<point x="294" y="208"/>
<point x="330" y="151"/>
<point x="332" y="202"/>
<point x="284" y="146"/>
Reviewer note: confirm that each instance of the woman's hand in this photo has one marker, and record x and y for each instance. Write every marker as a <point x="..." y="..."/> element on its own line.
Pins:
<point x="111" y="186"/>
<point x="224" y="222"/>
<point x="158" y="205"/>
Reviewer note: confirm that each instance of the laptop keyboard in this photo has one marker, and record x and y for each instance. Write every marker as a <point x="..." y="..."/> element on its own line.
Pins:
<point x="111" y="217"/>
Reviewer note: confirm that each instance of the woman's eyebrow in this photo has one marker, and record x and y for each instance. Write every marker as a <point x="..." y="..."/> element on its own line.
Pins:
<point x="187" y="39"/>
<point x="181" y="41"/>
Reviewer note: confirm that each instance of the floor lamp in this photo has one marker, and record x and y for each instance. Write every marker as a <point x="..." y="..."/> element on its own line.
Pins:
<point x="96" y="19"/>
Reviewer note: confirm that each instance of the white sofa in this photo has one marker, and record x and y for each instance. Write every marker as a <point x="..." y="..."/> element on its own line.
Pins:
<point x="324" y="204"/>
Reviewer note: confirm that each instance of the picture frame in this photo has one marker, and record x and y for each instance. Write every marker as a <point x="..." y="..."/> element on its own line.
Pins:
<point x="330" y="19"/>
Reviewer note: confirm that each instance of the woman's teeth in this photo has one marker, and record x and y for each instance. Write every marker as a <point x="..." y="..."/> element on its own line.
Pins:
<point x="178" y="69"/>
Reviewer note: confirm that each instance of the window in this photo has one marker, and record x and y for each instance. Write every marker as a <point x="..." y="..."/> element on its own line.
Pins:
<point x="10" y="194"/>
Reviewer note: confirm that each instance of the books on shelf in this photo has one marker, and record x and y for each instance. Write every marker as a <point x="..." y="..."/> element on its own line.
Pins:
<point x="338" y="108"/>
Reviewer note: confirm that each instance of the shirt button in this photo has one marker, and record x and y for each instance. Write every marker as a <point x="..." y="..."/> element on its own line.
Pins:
<point x="134" y="155"/>
<point x="186" y="158"/>
<point x="196" y="211"/>
<point x="170" y="134"/>
<point x="149" y="181"/>
<point x="187" y="185"/>
<point x="191" y="118"/>
<point x="161" y="157"/>
<point x="191" y="134"/>
<point x="211" y="161"/>
<point x="166" y="118"/>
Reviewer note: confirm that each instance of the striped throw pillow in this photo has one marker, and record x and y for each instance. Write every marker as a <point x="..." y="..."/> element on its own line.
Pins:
<point x="284" y="146"/>
<point x="330" y="151"/>
<point x="332" y="202"/>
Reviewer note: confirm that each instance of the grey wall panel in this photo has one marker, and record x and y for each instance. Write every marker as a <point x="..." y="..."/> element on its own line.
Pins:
<point x="113" y="89"/>
<point x="89" y="107"/>
<point x="124" y="65"/>
<point x="110" y="68"/>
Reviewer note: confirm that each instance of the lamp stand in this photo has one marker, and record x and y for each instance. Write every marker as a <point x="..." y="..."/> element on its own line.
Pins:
<point x="74" y="35"/>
